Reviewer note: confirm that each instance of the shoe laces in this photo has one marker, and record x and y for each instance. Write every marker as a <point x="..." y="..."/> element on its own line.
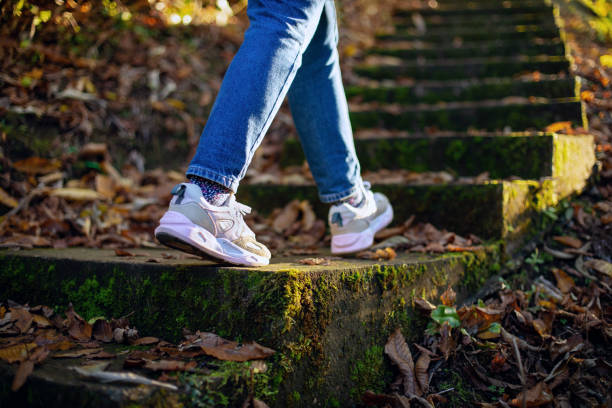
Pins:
<point x="239" y="209"/>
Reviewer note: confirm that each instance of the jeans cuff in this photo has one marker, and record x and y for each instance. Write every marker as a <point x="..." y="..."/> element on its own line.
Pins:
<point x="335" y="197"/>
<point x="225" y="181"/>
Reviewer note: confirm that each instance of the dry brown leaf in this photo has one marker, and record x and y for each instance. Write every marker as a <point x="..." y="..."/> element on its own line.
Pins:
<point x="447" y="344"/>
<point x="105" y="185"/>
<point x="76" y="194"/>
<point x="18" y="352"/>
<point x="24" y="319"/>
<point x="424" y="304"/>
<point x="448" y="297"/>
<point x="78" y="353"/>
<point x="398" y="351"/>
<point x="558" y="127"/>
<point x="383" y="400"/>
<point x="7" y="200"/>
<point x="78" y="328"/>
<point x="170" y="365"/>
<point x="41" y="321"/>
<point x="308" y="216"/>
<point x="123" y="252"/>
<point x="534" y="397"/>
<point x="380" y="254"/>
<point x="287" y="216"/>
<point x="569" y="241"/>
<point x="145" y="341"/>
<point x="223" y="349"/>
<point x="422" y="375"/>
<point x="24" y="370"/>
<point x="315" y="261"/>
<point x="37" y="165"/>
<point x="564" y="282"/>
<point x="600" y="266"/>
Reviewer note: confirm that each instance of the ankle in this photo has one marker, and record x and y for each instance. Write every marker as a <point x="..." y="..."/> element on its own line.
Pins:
<point x="214" y="193"/>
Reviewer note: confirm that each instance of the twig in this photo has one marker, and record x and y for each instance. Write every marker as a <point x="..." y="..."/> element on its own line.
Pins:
<point x="445" y="391"/>
<point x="517" y="354"/>
<point x="503" y="403"/>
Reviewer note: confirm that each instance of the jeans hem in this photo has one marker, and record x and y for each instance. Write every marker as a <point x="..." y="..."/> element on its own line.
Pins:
<point x="335" y="197"/>
<point x="228" y="182"/>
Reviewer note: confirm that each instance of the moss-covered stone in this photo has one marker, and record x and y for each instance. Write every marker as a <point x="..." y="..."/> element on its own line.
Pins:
<point x="325" y="322"/>
<point x="468" y="68"/>
<point x="464" y="91"/>
<point x="535" y="116"/>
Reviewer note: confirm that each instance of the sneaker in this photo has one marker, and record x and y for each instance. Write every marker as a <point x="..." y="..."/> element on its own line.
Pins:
<point x="353" y="228"/>
<point x="193" y="225"/>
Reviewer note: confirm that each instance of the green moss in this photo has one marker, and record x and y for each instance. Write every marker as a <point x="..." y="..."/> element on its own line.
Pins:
<point x="366" y="372"/>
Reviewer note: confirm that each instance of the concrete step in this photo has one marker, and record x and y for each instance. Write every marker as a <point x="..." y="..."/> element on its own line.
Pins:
<point x="324" y="321"/>
<point x="445" y="35"/>
<point x="483" y="9"/>
<point x="515" y="114"/>
<point x="491" y="210"/>
<point x="414" y="49"/>
<point x="430" y="92"/>
<point x="408" y="29"/>
<point x="492" y="20"/>
<point x="478" y="67"/>
<point x="567" y="159"/>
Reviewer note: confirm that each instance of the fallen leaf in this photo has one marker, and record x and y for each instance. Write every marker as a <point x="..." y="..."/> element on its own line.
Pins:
<point x="564" y="282"/>
<point x="22" y="373"/>
<point x="78" y="353"/>
<point x="534" y="397"/>
<point x="24" y="319"/>
<point x="123" y="252"/>
<point x="223" y="349"/>
<point x="18" y="352"/>
<point x="424" y="304"/>
<point x="384" y="400"/>
<point x="105" y="185"/>
<point x="7" y="200"/>
<point x="109" y="376"/>
<point x="569" y="241"/>
<point x="170" y="365"/>
<point x="600" y="266"/>
<point x="287" y="217"/>
<point x="448" y="297"/>
<point x="558" y="127"/>
<point x="308" y="215"/>
<point x="145" y="341"/>
<point x="315" y="261"/>
<point x="398" y="351"/>
<point x="76" y="194"/>
<point x="37" y="165"/>
<point x="422" y="375"/>
<point x="78" y="328"/>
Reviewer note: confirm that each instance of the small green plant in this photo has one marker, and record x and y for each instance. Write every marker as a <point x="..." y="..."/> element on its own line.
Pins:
<point x="443" y="314"/>
<point x="535" y="260"/>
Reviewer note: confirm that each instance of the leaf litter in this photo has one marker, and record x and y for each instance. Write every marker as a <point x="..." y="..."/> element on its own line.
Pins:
<point x="30" y="335"/>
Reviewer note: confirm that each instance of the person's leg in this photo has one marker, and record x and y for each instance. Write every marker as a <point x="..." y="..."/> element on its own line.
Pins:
<point x="320" y="113"/>
<point x="254" y="87"/>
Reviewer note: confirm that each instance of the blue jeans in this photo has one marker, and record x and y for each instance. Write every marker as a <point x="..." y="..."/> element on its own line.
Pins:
<point x="289" y="48"/>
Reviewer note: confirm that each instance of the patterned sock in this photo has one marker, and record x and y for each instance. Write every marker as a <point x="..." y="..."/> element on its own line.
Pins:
<point x="214" y="193"/>
<point x="355" y="199"/>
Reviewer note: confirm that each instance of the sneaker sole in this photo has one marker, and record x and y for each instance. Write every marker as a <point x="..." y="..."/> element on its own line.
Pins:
<point x="355" y="242"/>
<point x="178" y="232"/>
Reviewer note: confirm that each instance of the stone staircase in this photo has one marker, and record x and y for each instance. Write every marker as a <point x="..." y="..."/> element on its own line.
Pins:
<point x="470" y="94"/>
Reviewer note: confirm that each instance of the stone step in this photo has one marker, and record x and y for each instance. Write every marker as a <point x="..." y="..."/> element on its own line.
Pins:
<point x="567" y="159"/>
<point x="550" y="86"/>
<point x="483" y="9"/>
<point x="446" y="35"/>
<point x="492" y="20"/>
<point x="516" y="114"/>
<point x="478" y="67"/>
<point x="413" y="50"/>
<point x="491" y="210"/>
<point x="538" y="30"/>
<point x="470" y="3"/>
<point x="324" y="321"/>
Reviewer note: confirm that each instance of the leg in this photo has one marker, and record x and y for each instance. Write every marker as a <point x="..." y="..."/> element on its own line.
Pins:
<point x="254" y="87"/>
<point x="320" y="112"/>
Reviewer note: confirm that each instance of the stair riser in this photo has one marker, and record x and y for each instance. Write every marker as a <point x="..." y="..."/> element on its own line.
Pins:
<point x="535" y="9"/>
<point x="515" y="117"/>
<point x="467" y="50"/>
<point x="461" y="31"/>
<point x="492" y="20"/>
<point x="432" y="71"/>
<point x="557" y="88"/>
<point x="527" y="157"/>
<point x="445" y="38"/>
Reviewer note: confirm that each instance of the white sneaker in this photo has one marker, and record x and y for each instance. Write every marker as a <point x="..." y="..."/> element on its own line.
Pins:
<point x="353" y="228"/>
<point x="193" y="225"/>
